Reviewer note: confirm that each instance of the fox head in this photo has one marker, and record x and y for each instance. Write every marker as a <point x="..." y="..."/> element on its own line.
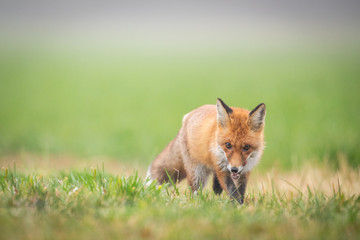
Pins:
<point x="239" y="138"/>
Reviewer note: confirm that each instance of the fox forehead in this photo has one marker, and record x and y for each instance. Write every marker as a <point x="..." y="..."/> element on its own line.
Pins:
<point x="239" y="122"/>
<point x="239" y="130"/>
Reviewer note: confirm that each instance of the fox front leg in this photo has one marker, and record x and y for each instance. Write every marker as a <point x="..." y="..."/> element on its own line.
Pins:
<point x="241" y="185"/>
<point x="227" y="183"/>
<point x="235" y="192"/>
<point x="216" y="185"/>
<point x="197" y="176"/>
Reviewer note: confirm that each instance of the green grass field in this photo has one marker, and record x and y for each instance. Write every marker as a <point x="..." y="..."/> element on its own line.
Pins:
<point x="61" y="106"/>
<point x="92" y="204"/>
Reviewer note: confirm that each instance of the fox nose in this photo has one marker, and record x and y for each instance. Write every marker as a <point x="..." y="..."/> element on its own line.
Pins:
<point x="234" y="169"/>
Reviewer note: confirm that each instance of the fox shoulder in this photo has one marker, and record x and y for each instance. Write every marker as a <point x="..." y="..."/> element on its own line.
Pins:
<point x="200" y="117"/>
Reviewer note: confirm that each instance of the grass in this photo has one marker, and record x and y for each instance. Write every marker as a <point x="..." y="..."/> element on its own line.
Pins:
<point x="93" y="204"/>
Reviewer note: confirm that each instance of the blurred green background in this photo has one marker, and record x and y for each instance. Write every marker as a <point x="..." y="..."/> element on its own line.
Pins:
<point x="129" y="105"/>
<point x="116" y="79"/>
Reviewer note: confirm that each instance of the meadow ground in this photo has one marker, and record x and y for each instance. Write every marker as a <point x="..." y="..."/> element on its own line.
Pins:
<point x="60" y="109"/>
<point x="89" y="202"/>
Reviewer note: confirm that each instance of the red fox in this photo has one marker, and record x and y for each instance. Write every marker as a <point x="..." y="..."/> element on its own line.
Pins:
<point x="222" y="140"/>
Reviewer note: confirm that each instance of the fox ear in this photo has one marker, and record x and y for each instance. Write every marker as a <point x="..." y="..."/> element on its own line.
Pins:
<point x="223" y="113"/>
<point x="257" y="117"/>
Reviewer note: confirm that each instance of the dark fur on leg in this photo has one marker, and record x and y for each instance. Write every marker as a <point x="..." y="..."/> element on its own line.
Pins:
<point x="216" y="186"/>
<point x="242" y="187"/>
<point x="233" y="191"/>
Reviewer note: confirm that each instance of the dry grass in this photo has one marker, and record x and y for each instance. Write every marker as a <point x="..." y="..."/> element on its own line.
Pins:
<point x="46" y="164"/>
<point x="318" y="177"/>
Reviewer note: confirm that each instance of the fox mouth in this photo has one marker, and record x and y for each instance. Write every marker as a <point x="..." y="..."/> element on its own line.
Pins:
<point x="235" y="176"/>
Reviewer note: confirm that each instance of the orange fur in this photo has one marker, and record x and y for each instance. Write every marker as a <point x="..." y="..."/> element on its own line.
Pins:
<point x="200" y="148"/>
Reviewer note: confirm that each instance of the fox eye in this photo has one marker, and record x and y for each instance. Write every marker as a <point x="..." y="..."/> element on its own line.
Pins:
<point x="246" y="147"/>
<point x="228" y="145"/>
